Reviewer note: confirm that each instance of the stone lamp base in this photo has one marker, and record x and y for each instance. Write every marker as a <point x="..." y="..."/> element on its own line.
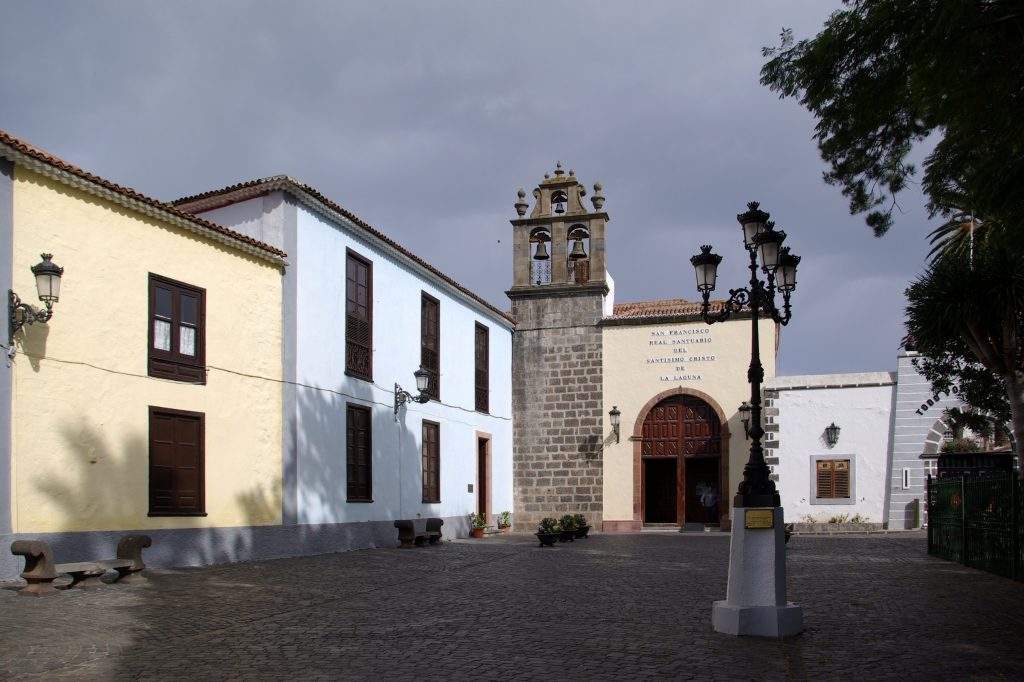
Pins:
<point x="755" y="603"/>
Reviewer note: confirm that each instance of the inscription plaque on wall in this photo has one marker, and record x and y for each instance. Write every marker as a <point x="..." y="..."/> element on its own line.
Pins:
<point x="759" y="518"/>
<point x="679" y="354"/>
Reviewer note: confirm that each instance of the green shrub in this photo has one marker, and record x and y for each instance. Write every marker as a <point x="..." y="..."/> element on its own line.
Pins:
<point x="478" y="520"/>
<point x="568" y="522"/>
<point x="504" y="519"/>
<point x="581" y="520"/>
<point x="549" y="525"/>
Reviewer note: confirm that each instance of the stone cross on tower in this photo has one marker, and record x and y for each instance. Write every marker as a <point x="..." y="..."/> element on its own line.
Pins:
<point x="559" y="290"/>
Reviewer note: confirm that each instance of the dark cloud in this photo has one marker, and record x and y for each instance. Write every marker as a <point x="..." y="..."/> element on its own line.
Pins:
<point x="424" y="118"/>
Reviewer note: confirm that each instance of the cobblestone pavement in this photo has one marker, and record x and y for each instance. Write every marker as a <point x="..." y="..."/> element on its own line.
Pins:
<point x="620" y="606"/>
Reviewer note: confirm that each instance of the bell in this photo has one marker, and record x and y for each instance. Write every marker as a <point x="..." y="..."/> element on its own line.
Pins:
<point x="542" y="251"/>
<point x="559" y="202"/>
<point x="577" y="252"/>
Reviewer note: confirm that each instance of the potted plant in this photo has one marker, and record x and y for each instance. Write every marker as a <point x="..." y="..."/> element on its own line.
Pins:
<point x="505" y="521"/>
<point x="582" y="527"/>
<point x="568" y="524"/>
<point x="548" y="531"/>
<point x="478" y="522"/>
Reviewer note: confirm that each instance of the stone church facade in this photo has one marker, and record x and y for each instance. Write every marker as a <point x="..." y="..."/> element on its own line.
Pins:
<point x="676" y="382"/>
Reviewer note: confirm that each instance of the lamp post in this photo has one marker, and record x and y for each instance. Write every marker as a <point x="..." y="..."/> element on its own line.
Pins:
<point x="744" y="410"/>
<point x="755" y="603"/>
<point x="47" y="274"/>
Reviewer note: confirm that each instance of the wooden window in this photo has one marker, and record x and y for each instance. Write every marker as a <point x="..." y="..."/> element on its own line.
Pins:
<point x="430" y="343"/>
<point x="176" y="463"/>
<point x="177" y="330"/>
<point x="431" y="462"/>
<point x="833" y="479"/>
<point x="359" y="453"/>
<point x="358" y="316"/>
<point x="482" y="367"/>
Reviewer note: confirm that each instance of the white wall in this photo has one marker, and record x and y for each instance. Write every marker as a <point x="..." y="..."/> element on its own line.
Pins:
<point x="863" y="414"/>
<point x="320" y="362"/>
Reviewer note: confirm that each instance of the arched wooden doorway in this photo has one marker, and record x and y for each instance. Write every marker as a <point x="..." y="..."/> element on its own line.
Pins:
<point x="681" y="454"/>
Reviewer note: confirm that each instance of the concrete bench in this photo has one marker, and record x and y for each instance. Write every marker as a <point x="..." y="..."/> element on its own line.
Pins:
<point x="434" y="530"/>
<point x="408" y="536"/>
<point x="40" y="569"/>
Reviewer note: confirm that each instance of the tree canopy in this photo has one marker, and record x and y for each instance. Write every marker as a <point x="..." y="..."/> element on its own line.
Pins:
<point x="885" y="75"/>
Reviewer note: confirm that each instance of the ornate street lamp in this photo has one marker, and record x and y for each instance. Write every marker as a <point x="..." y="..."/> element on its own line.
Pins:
<point x="755" y="601"/>
<point x="403" y="396"/>
<point x="615" y="416"/>
<point x="47" y="274"/>
<point x="760" y="238"/>
<point x="832" y="434"/>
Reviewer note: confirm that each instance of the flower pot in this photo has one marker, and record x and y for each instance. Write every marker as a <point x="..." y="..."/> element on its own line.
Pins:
<point x="505" y="530"/>
<point x="567" y="535"/>
<point x="582" y="532"/>
<point x="476" y="533"/>
<point x="547" y="539"/>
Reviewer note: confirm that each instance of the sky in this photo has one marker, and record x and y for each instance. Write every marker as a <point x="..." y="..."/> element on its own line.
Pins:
<point x="424" y="119"/>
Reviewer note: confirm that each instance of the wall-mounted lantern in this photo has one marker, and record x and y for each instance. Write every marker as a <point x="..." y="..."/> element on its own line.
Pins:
<point x="831" y="435"/>
<point x="615" y="416"/>
<point x="745" y="418"/>
<point x="47" y="274"/>
<point x="403" y="396"/>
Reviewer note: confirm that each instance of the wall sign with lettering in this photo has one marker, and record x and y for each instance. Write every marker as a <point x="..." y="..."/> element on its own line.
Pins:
<point x="684" y="350"/>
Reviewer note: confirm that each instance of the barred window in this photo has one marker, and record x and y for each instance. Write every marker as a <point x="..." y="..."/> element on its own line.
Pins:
<point x="358" y="316"/>
<point x="833" y="479"/>
<point x="431" y="461"/>
<point x="430" y="343"/>
<point x="482" y="368"/>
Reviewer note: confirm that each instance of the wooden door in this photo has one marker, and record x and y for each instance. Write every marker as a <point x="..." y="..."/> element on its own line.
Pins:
<point x="176" y="476"/>
<point x="481" y="476"/>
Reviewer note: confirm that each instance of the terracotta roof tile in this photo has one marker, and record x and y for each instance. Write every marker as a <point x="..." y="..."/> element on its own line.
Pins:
<point x="58" y="163"/>
<point x="669" y="307"/>
<point x="242" y="191"/>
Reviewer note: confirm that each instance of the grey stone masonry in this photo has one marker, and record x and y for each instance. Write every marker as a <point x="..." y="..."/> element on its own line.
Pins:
<point x="557" y="403"/>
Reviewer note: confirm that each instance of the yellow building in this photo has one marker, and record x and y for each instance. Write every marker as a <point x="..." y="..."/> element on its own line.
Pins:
<point x="151" y="400"/>
<point x="677" y="383"/>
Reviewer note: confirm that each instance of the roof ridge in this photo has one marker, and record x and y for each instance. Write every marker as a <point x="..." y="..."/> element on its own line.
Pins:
<point x="258" y="185"/>
<point x="27" y="149"/>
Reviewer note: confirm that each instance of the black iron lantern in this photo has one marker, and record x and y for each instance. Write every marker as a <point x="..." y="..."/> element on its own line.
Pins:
<point x="422" y="379"/>
<point x="615" y="416"/>
<point x="745" y="418"/>
<point x="786" y="274"/>
<point x="48" y="275"/>
<point x="753" y="222"/>
<point x="706" y="265"/>
<point x="832" y="434"/>
<point x="768" y="243"/>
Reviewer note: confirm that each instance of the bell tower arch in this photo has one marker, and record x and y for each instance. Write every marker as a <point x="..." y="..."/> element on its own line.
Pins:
<point x="559" y="289"/>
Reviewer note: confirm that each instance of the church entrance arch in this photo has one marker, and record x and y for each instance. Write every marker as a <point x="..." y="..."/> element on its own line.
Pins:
<point x="681" y="460"/>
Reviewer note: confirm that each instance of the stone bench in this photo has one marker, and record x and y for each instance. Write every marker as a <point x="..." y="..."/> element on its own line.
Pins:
<point x="409" y="536"/>
<point x="40" y="569"/>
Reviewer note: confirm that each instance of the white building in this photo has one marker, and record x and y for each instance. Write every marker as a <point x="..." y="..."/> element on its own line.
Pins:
<point x="819" y="480"/>
<point x="361" y="314"/>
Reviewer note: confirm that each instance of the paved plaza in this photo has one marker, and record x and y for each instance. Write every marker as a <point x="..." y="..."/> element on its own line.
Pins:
<point x="619" y="606"/>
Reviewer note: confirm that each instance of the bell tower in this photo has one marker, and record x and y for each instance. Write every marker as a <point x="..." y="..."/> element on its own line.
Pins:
<point x="560" y="292"/>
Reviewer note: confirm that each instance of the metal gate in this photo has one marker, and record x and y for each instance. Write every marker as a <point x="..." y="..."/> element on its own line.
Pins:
<point x="978" y="521"/>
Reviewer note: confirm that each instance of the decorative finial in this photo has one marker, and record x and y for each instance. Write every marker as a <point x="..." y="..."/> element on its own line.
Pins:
<point x="547" y="175"/>
<point x="521" y="204"/>
<point x="558" y="168"/>
<point x="572" y="172"/>
<point x="753" y="205"/>
<point x="598" y="199"/>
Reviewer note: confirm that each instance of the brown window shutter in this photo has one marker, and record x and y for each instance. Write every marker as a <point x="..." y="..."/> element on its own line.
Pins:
<point x="430" y="343"/>
<point x="841" y="478"/>
<point x="431" y="462"/>
<point x="358" y="316"/>
<point x="176" y="463"/>
<point x="482" y="367"/>
<point x="824" y="479"/>
<point x="177" y="331"/>
<point x="358" y="453"/>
